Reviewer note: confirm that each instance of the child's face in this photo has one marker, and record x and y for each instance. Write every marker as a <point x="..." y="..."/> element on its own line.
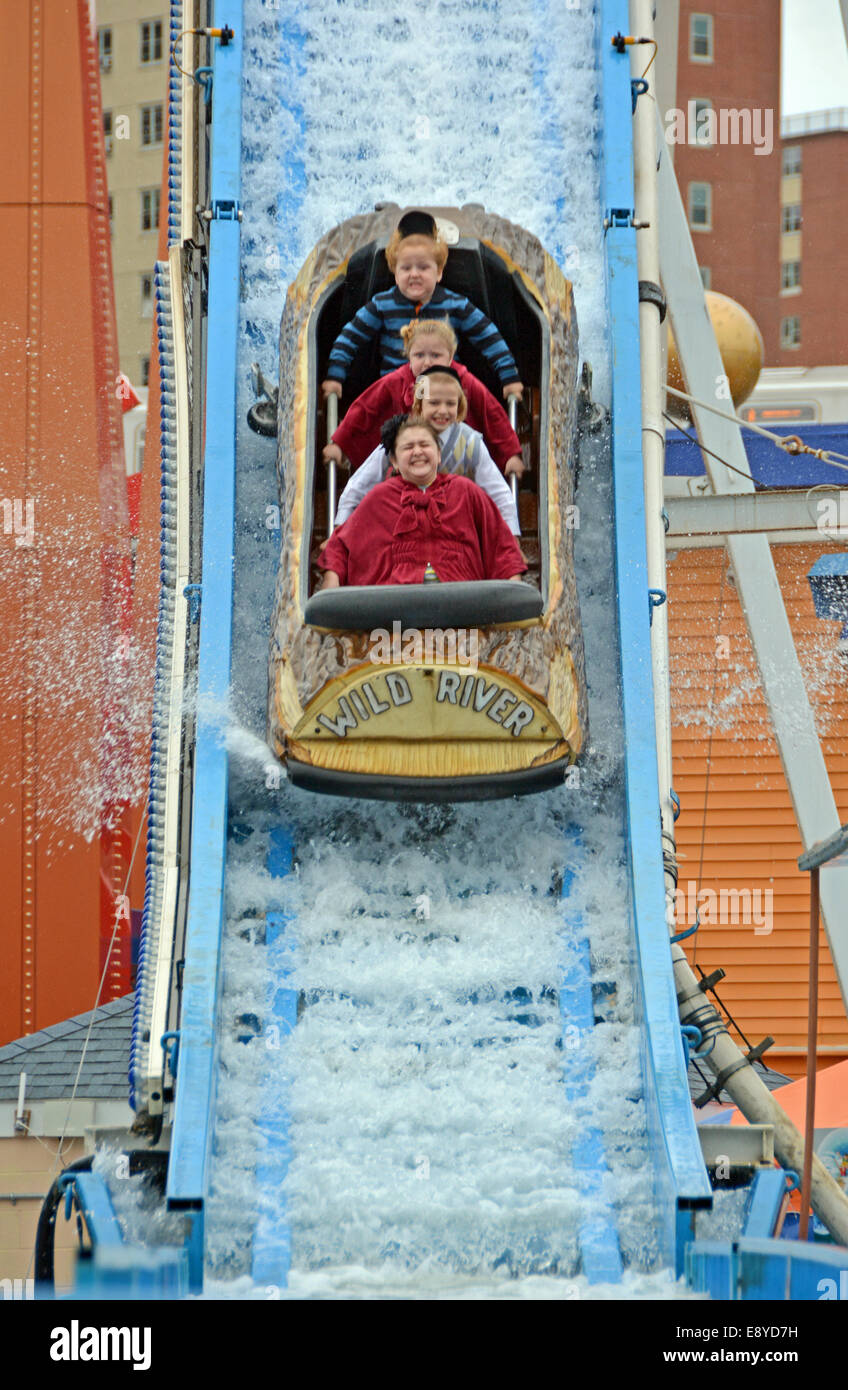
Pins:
<point x="428" y="351"/>
<point x="416" y="272"/>
<point x="440" y="405"/>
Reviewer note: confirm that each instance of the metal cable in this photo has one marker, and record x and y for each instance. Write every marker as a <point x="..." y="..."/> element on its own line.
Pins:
<point x="791" y="443"/>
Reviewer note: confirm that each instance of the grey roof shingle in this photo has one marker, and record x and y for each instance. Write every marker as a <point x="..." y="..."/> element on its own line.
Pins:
<point x="51" y="1057"/>
<point x="59" y="1030"/>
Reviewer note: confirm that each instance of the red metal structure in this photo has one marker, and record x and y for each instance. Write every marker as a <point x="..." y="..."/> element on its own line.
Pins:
<point x="68" y="775"/>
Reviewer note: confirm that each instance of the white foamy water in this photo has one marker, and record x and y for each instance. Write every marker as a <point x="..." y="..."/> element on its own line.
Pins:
<point x="424" y="1082"/>
<point x="431" y="1137"/>
<point x="354" y="1282"/>
<point x="486" y="102"/>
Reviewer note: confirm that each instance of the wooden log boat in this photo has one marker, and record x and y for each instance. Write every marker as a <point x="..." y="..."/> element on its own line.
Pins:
<point x="430" y="692"/>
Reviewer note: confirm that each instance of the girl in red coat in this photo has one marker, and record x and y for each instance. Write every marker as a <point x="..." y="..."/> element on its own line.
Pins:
<point x="429" y="343"/>
<point x="420" y="520"/>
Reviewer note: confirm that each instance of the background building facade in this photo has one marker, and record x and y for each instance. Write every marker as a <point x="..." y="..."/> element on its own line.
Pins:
<point x="813" y="250"/>
<point x="133" y="51"/>
<point x="765" y="195"/>
<point x="729" y="166"/>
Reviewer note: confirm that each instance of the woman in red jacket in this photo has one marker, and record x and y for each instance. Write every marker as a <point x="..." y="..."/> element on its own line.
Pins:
<point x="421" y="519"/>
<point x="429" y="343"/>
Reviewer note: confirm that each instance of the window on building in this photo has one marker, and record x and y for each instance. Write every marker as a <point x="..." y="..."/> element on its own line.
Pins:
<point x="790" y="217"/>
<point x="151" y="124"/>
<point x="107" y="123"/>
<point x="790" y="332"/>
<point x="111" y="216"/>
<point x="701" y="206"/>
<point x="150" y="39"/>
<point x="791" y="159"/>
<point x="701" y="125"/>
<point x="104" y="49"/>
<point x="706" y="276"/>
<point x="145" y="371"/>
<point x="790" y="275"/>
<point x="149" y="209"/>
<point x="701" y="38"/>
<point x="146" y="296"/>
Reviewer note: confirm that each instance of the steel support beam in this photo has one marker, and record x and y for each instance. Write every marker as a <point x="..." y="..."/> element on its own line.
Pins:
<point x="738" y="513"/>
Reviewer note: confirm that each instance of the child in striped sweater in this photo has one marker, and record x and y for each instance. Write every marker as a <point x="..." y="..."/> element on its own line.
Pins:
<point x="427" y="343"/>
<point x="416" y="255"/>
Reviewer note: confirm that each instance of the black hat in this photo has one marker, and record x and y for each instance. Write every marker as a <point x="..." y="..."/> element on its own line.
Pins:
<point x="417" y="224"/>
<point x="445" y="371"/>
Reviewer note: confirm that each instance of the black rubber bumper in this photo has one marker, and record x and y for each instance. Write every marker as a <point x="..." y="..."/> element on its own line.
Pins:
<point x="492" y="787"/>
<point x="483" y="603"/>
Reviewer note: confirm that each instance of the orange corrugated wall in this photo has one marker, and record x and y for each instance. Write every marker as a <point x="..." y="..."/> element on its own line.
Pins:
<point x="66" y="770"/>
<point x="737" y="830"/>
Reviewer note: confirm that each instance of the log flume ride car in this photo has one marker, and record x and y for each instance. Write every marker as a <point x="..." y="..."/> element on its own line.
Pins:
<point x="430" y="692"/>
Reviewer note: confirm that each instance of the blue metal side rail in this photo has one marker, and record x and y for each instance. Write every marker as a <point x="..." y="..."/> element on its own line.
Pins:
<point x="765" y="1205"/>
<point x="110" y="1268"/>
<point x="681" y="1181"/>
<point x="188" y="1172"/>
<point x="767" y="1270"/>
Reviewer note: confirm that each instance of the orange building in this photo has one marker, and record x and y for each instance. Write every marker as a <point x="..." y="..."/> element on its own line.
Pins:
<point x="737" y="838"/>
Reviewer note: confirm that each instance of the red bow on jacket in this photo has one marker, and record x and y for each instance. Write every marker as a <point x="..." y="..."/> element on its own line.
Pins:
<point x="415" y="499"/>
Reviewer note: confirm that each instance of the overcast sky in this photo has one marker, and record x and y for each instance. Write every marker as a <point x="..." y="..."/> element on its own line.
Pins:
<point x="815" y="57"/>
